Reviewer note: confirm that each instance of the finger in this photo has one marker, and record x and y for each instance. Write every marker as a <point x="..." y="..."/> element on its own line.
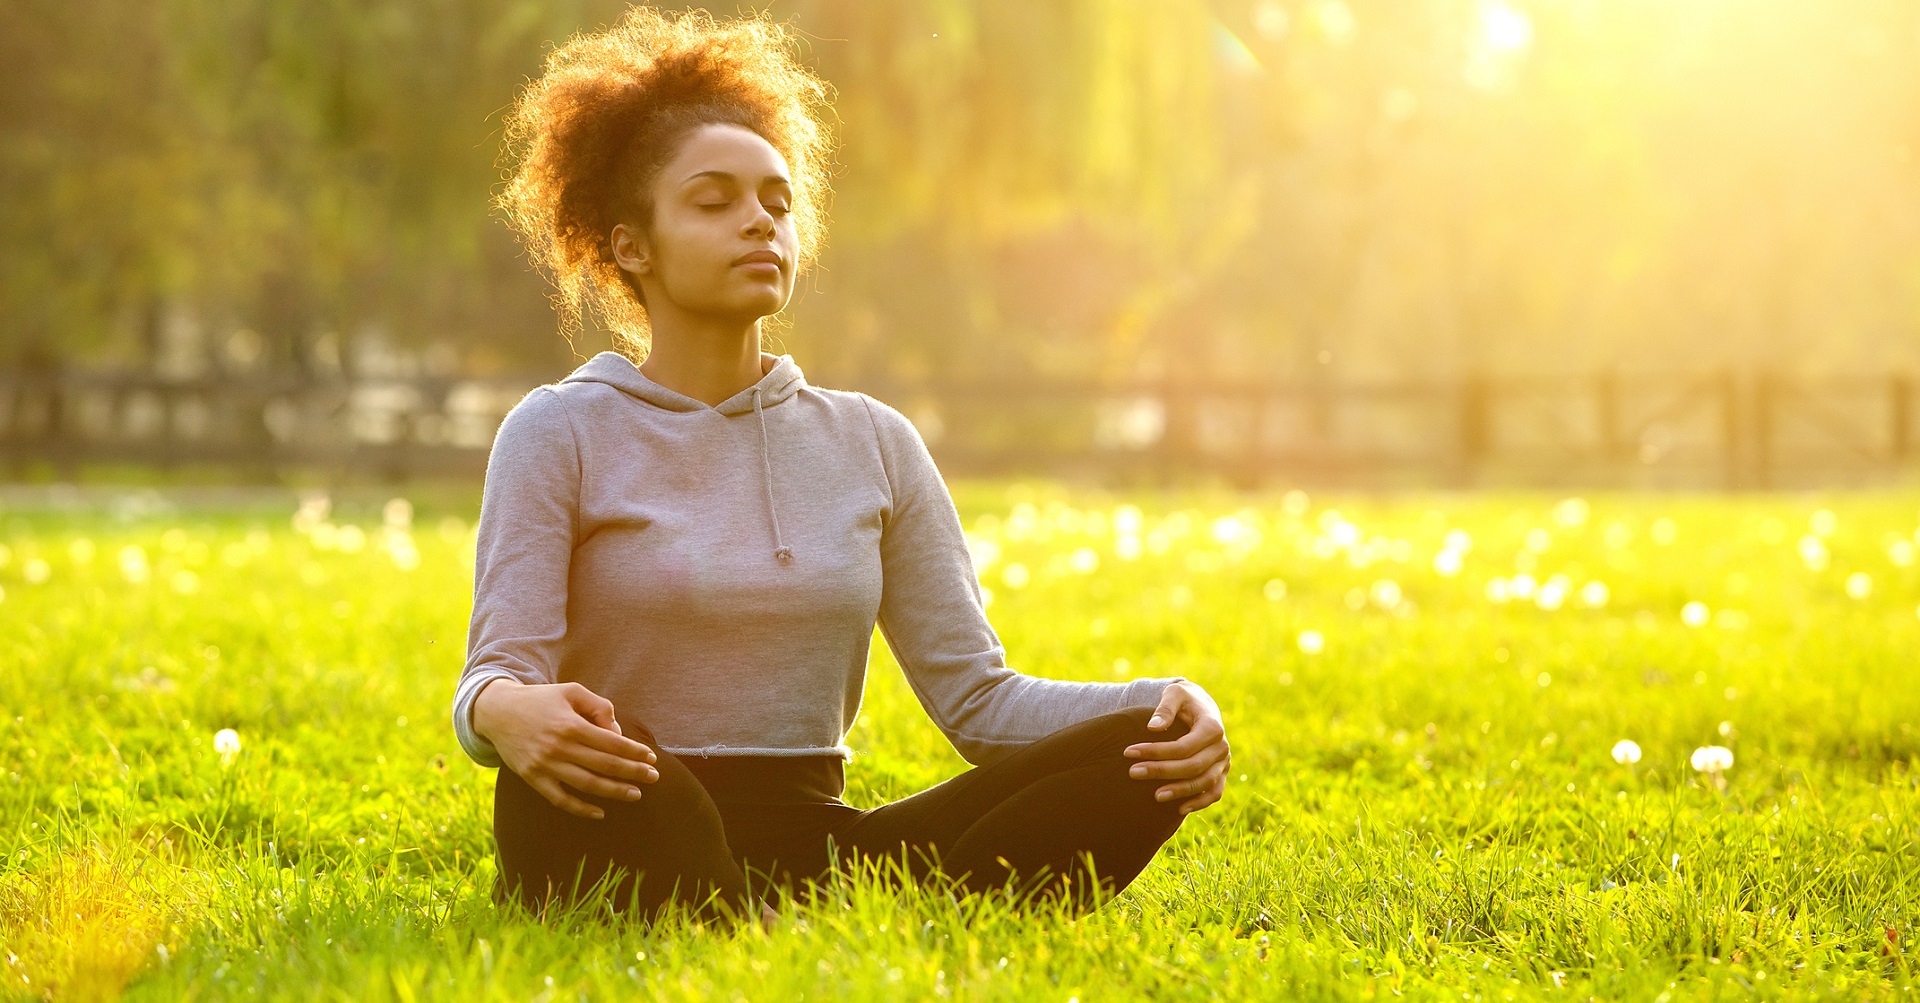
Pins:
<point x="608" y="764"/>
<point x="1192" y="785"/>
<point x="613" y="743"/>
<point x="1204" y="733"/>
<point x="1171" y="700"/>
<point x="552" y="791"/>
<point x="1206" y="798"/>
<point x="586" y="780"/>
<point x="1198" y="785"/>
<point x="1180" y="769"/>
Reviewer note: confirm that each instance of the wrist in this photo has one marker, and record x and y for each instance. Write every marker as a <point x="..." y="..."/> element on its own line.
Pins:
<point x="483" y="710"/>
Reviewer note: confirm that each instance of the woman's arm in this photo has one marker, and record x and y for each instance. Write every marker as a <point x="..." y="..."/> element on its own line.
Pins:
<point x="933" y="619"/>
<point x="508" y="709"/>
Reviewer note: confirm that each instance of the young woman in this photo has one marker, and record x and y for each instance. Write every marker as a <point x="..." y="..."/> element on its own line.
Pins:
<point x="684" y="547"/>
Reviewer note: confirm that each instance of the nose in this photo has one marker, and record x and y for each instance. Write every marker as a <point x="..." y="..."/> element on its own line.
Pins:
<point x="761" y="224"/>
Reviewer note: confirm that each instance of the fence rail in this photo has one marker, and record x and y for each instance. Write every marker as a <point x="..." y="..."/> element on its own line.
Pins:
<point x="1724" y="429"/>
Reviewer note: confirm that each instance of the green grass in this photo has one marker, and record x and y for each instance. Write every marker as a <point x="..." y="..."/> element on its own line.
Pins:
<point x="1428" y="806"/>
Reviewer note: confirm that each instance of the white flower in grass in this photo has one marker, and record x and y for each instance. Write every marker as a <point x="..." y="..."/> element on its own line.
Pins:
<point x="1594" y="594"/>
<point x="1694" y="614"/>
<point x="397" y="513"/>
<point x="1447" y="563"/>
<point x="226" y="742"/>
<point x="1712" y="759"/>
<point x="1859" y="585"/>
<point x="1626" y="752"/>
<point x="1813" y="552"/>
<point x="1312" y="642"/>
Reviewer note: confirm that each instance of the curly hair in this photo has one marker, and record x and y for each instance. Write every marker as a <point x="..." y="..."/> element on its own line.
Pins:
<point x="587" y="138"/>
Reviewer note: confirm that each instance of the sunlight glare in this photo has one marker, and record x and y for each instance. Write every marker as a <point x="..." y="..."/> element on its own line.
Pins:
<point x="1505" y="28"/>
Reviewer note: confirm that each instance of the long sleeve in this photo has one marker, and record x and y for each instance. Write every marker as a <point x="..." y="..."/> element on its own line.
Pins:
<point x="528" y="514"/>
<point x="934" y="621"/>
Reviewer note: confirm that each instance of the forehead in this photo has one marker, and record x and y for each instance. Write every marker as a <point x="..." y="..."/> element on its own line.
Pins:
<point x="731" y="148"/>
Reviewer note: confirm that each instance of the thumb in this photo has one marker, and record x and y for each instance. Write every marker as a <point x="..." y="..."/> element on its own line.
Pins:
<point x="595" y="708"/>
<point x="1168" y="709"/>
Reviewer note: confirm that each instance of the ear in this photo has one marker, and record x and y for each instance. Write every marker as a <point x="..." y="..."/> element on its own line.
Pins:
<point x="630" y="249"/>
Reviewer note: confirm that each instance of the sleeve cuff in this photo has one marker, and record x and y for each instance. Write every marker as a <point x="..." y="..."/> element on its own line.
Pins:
<point x="477" y="749"/>
<point x="1146" y="692"/>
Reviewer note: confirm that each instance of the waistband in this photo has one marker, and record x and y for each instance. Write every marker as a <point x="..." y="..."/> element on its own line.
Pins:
<point x="770" y="779"/>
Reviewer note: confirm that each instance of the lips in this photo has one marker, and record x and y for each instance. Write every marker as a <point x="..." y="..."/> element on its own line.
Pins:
<point x="758" y="257"/>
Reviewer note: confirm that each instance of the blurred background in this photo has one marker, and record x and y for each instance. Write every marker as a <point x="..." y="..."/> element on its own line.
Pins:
<point x="1374" y="242"/>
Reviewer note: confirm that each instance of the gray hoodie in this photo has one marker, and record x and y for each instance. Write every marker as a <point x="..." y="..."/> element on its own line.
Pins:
<point x="717" y="572"/>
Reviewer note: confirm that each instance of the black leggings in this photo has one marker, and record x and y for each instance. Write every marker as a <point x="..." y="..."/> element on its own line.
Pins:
<point x="1026" y="822"/>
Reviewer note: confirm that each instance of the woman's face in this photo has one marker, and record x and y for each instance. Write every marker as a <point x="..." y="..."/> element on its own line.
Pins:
<point x="723" y="201"/>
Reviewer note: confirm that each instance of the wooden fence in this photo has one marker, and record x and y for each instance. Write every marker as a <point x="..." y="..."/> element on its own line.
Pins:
<point x="1715" y="430"/>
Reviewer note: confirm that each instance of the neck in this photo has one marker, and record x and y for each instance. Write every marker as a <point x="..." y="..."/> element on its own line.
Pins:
<point x="707" y="359"/>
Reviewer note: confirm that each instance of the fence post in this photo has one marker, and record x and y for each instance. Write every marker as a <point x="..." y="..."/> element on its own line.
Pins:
<point x="1899" y="414"/>
<point x="1764" y="392"/>
<point x="1476" y="427"/>
<point x="1606" y="405"/>
<point x="1730" y="429"/>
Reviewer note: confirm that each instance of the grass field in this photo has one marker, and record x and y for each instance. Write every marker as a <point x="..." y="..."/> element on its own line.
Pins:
<point x="1425" y="695"/>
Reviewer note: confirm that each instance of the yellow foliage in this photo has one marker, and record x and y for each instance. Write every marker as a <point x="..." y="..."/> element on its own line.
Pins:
<point x="83" y="926"/>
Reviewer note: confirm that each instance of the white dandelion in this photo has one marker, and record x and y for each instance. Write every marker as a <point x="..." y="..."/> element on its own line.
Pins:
<point x="1712" y="759"/>
<point x="1626" y="752"/>
<point x="226" y="742"/>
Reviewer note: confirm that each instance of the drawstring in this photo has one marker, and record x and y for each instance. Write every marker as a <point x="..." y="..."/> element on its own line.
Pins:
<point x="780" y="549"/>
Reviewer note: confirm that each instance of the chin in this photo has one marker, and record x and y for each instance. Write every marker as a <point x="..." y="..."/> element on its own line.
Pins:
<point x="758" y="306"/>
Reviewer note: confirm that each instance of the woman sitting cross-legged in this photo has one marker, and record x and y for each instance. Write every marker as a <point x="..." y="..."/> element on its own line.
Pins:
<point x="684" y="547"/>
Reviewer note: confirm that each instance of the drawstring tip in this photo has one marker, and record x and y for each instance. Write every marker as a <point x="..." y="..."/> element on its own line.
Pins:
<point x="785" y="554"/>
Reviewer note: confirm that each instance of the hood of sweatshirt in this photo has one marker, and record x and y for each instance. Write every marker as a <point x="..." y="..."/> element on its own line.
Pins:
<point x="782" y="380"/>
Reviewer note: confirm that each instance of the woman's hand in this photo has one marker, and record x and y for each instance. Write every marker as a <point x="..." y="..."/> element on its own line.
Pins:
<point x="1198" y="760"/>
<point x="562" y="735"/>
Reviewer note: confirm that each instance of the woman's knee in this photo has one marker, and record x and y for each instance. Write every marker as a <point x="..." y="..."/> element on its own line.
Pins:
<point x="1126" y="728"/>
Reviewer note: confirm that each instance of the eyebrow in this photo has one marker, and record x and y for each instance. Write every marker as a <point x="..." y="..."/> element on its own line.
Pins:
<point x="729" y="176"/>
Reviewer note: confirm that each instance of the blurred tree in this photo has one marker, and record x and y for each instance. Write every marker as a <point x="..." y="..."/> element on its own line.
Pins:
<point x="1324" y="189"/>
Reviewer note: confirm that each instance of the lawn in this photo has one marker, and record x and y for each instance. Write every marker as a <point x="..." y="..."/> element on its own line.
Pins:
<point x="1465" y="732"/>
